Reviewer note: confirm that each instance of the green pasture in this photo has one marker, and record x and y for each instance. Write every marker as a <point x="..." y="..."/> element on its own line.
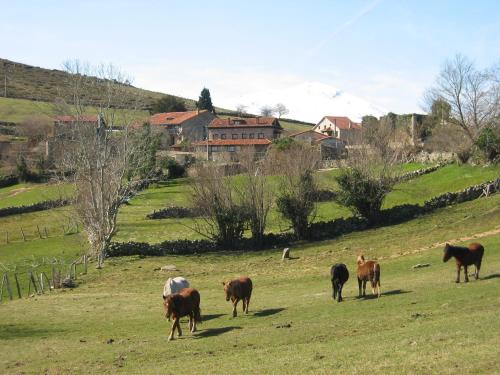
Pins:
<point x="423" y="322"/>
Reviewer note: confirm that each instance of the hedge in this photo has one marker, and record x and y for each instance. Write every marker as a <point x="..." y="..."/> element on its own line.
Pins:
<point x="173" y="212"/>
<point x="317" y="231"/>
<point x="40" y="206"/>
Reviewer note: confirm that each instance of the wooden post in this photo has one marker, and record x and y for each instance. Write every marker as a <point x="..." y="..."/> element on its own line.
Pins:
<point x="53" y="276"/>
<point x="7" y="236"/>
<point x="9" y="289"/>
<point x="64" y="229"/>
<point x="48" y="281"/>
<point x="22" y="232"/>
<point x="39" y="233"/>
<point x="1" y="286"/>
<point x="46" y="233"/>
<point x="84" y="264"/>
<point x="32" y="277"/>
<point x="41" y="282"/>
<point x="17" y="285"/>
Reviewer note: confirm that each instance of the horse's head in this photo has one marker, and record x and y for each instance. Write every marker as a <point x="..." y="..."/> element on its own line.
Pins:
<point x="447" y="252"/>
<point x="168" y="306"/>
<point x="360" y="259"/>
<point x="227" y="289"/>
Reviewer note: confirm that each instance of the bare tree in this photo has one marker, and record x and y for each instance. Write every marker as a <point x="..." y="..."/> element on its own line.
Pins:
<point x="255" y="191"/>
<point x="297" y="186"/>
<point x="281" y="110"/>
<point x="241" y="109"/>
<point x="223" y="216"/>
<point x="472" y="95"/>
<point x="35" y="127"/>
<point x="97" y="157"/>
<point x="266" y="111"/>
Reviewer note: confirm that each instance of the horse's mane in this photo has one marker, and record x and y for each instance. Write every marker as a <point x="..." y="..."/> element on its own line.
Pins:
<point x="455" y="249"/>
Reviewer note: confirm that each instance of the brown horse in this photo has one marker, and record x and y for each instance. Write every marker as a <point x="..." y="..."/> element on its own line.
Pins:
<point x="465" y="256"/>
<point x="184" y="303"/>
<point x="368" y="271"/>
<point x="240" y="288"/>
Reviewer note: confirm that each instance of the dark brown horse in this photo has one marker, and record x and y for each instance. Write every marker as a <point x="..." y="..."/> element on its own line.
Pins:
<point x="184" y="303"/>
<point x="465" y="256"/>
<point x="368" y="271"/>
<point x="238" y="289"/>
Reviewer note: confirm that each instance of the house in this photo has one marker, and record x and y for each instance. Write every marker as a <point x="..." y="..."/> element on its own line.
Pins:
<point x="181" y="127"/>
<point x="340" y="127"/>
<point x="329" y="146"/>
<point x="228" y="136"/>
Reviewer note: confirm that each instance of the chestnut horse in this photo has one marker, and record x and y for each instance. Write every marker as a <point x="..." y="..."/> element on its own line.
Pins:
<point x="184" y="303"/>
<point x="465" y="256"/>
<point x="240" y="288"/>
<point x="368" y="271"/>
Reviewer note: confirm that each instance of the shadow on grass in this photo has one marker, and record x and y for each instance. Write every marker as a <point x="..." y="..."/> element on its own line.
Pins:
<point x="11" y="331"/>
<point x="268" y="312"/>
<point x="211" y="316"/>
<point x="492" y="276"/>
<point x="388" y="293"/>
<point x="215" y="331"/>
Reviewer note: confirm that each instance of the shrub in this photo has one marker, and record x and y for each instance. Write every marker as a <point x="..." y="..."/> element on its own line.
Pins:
<point x="174" y="169"/>
<point x="297" y="205"/>
<point x="488" y="142"/>
<point x="362" y="192"/>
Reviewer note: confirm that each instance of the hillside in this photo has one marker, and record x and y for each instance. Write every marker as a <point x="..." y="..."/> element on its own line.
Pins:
<point x="31" y="90"/>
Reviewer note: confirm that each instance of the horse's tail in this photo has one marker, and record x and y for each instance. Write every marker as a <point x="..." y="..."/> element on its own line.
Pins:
<point x="376" y="277"/>
<point x="197" y="314"/>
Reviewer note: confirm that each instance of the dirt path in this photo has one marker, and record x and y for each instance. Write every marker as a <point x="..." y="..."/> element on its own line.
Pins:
<point x="441" y="244"/>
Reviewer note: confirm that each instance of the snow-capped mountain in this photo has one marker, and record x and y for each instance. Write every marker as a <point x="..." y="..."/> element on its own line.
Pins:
<point x="308" y="101"/>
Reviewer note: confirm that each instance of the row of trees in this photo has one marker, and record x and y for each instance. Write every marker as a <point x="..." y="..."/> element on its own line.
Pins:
<point x="170" y="103"/>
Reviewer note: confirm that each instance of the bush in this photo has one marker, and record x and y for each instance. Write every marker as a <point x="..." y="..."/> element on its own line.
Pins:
<point x="489" y="143"/>
<point x="40" y="206"/>
<point x="173" y="212"/>
<point x="174" y="169"/>
<point x="297" y="205"/>
<point x="362" y="193"/>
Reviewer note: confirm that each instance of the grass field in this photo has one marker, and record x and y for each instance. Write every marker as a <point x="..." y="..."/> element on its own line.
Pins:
<point x="422" y="323"/>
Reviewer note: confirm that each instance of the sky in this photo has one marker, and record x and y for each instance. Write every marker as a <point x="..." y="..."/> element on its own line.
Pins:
<point x="382" y="52"/>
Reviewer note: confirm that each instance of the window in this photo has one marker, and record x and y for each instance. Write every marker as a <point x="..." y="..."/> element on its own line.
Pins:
<point x="222" y="136"/>
<point x="231" y="149"/>
<point x="261" y="136"/>
<point x="244" y="136"/>
<point x="251" y="136"/>
<point x="215" y="136"/>
<point x="235" y="136"/>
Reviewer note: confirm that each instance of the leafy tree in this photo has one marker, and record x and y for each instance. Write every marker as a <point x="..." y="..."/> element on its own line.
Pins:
<point x="168" y="103"/>
<point x="283" y="143"/>
<point x="23" y="172"/>
<point x="205" y="101"/>
<point x="147" y="143"/>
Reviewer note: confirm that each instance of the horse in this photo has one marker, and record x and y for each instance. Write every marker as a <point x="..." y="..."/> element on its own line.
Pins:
<point x="174" y="285"/>
<point x="339" y="275"/>
<point x="465" y="256"/>
<point x="184" y="303"/>
<point x="368" y="271"/>
<point x="238" y="289"/>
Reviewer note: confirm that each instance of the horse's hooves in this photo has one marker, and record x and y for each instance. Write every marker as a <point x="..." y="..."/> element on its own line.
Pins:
<point x="170" y="338"/>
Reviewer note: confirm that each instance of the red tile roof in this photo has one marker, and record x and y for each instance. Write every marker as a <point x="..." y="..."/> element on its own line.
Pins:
<point x="244" y="122"/>
<point x="315" y="134"/>
<point x="173" y="118"/>
<point x="233" y="142"/>
<point x="343" y="122"/>
<point x="81" y="118"/>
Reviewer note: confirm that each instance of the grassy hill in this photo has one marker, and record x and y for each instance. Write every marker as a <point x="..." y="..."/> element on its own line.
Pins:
<point x="422" y="323"/>
<point x="32" y="90"/>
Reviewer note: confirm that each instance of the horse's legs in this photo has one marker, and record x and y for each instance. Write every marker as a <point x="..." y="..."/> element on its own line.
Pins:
<point x="466" y="276"/>
<point x="248" y="302"/>
<point x="235" y="302"/>
<point x="364" y="288"/>
<point x="359" y="286"/>
<point x="340" y="293"/>
<point x="191" y="322"/>
<point x="458" y="273"/>
<point x="243" y="303"/>
<point x="334" y="290"/>
<point x="178" y="321"/>
<point x="171" y="337"/>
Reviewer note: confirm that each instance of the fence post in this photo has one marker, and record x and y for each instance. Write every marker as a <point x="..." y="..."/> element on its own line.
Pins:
<point x="22" y="232"/>
<point x="48" y="281"/>
<point x="17" y="285"/>
<point x="39" y="233"/>
<point x="9" y="289"/>
<point x="1" y="286"/>
<point x="41" y="282"/>
<point x="7" y="236"/>
<point x="46" y="234"/>
<point x="85" y="264"/>
<point x="32" y="278"/>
